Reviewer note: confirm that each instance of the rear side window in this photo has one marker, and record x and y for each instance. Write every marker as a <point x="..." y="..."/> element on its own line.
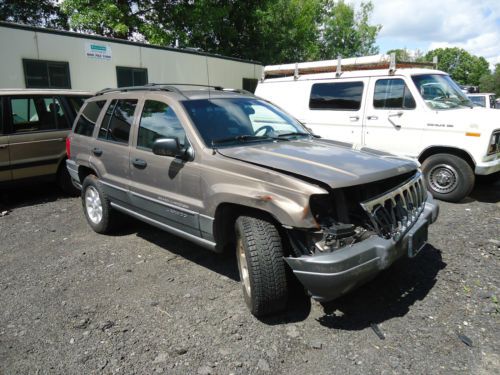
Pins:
<point x="344" y="96"/>
<point x="88" y="118"/>
<point x="37" y="113"/>
<point x="392" y="94"/>
<point x="158" y="120"/>
<point x="118" y="120"/>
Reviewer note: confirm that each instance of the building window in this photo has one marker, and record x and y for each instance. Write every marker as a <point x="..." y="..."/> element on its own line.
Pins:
<point x="250" y="84"/>
<point x="343" y="96"/>
<point x="131" y="76"/>
<point x="40" y="74"/>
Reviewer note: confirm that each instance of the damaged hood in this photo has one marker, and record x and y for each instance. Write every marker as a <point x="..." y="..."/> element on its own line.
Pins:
<point x="333" y="163"/>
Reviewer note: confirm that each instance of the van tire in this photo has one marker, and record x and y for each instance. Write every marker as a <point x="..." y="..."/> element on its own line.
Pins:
<point x="448" y="177"/>
<point x="93" y="197"/>
<point x="259" y="253"/>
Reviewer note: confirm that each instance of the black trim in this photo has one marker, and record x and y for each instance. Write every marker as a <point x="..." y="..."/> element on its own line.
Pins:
<point x="119" y="41"/>
<point x="30" y="164"/>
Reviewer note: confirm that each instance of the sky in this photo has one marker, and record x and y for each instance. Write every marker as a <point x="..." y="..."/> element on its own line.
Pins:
<point x="473" y="25"/>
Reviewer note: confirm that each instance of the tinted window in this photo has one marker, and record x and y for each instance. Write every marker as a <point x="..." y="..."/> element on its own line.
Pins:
<point x="75" y="102"/>
<point x="392" y="94"/>
<point x="118" y="120"/>
<point x="158" y="120"/>
<point x="46" y="74"/>
<point x="131" y="76"/>
<point x="88" y="118"/>
<point x="338" y="96"/>
<point x="250" y="84"/>
<point x="37" y="113"/>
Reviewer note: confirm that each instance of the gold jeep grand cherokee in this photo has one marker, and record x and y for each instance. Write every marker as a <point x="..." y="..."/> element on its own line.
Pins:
<point x="33" y="129"/>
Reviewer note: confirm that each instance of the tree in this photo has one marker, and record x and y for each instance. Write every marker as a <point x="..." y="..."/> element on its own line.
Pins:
<point x="491" y="82"/>
<point x="463" y="67"/>
<point x="347" y="33"/>
<point x="33" y="12"/>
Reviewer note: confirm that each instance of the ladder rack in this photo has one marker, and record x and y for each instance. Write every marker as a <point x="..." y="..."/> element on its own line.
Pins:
<point x="340" y="65"/>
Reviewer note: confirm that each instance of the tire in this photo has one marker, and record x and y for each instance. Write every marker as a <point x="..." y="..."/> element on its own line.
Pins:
<point x="96" y="206"/>
<point x="64" y="181"/>
<point x="448" y="177"/>
<point x="259" y="253"/>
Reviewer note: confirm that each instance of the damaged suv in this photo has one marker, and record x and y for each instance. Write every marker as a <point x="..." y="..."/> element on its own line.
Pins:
<point x="232" y="172"/>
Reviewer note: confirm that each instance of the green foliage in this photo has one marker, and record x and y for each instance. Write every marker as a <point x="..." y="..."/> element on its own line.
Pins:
<point x="347" y="33"/>
<point x="491" y="82"/>
<point x="463" y="67"/>
<point x="33" y="12"/>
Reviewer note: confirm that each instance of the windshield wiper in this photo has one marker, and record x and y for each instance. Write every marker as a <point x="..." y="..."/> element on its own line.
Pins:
<point x="242" y="138"/>
<point x="298" y="134"/>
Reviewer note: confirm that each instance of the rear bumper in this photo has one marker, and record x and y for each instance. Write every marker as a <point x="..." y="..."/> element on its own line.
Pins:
<point x="73" y="172"/>
<point x="328" y="276"/>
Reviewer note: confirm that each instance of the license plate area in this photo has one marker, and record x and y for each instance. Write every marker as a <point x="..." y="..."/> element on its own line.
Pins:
<point x="417" y="239"/>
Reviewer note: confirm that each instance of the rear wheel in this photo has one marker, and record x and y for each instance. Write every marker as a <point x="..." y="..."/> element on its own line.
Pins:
<point x="259" y="252"/>
<point x="448" y="177"/>
<point x="96" y="205"/>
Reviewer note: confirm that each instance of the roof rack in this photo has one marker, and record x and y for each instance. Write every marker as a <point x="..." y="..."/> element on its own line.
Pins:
<point x="171" y="87"/>
<point x="340" y="65"/>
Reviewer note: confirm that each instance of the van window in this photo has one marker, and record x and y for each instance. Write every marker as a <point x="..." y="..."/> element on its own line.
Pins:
<point x="158" y="120"/>
<point x="118" y="120"/>
<point x="392" y="94"/>
<point x="344" y="96"/>
<point x="88" y="118"/>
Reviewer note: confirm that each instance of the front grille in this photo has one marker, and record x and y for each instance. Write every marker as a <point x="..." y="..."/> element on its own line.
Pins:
<point x="394" y="212"/>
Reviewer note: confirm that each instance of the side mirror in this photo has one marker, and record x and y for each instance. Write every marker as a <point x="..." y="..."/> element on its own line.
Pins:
<point x="167" y="147"/>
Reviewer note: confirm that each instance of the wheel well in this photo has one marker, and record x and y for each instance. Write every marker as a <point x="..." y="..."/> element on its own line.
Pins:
<point x="447" y="150"/>
<point x="84" y="172"/>
<point x="225" y="218"/>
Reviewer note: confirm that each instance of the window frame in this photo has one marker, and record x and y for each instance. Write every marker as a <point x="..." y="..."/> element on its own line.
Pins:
<point x="406" y="89"/>
<point x="359" y="81"/>
<point x="132" y="69"/>
<point x="65" y="64"/>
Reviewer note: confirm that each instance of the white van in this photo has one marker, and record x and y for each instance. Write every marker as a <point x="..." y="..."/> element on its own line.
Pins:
<point x="405" y="110"/>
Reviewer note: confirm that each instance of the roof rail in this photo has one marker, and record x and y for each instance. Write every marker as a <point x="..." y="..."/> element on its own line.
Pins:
<point x="340" y="65"/>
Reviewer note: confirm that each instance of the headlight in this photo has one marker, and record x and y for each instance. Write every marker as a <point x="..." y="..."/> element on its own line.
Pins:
<point x="494" y="145"/>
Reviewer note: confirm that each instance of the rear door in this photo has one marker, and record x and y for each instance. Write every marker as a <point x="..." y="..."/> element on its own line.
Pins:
<point x="336" y="107"/>
<point x="164" y="188"/>
<point x="39" y="128"/>
<point x="393" y="122"/>
<point x="5" y="174"/>
<point x="110" y="151"/>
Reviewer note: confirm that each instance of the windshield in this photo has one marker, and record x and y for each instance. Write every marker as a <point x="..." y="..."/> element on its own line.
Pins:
<point x="231" y="121"/>
<point x="440" y="91"/>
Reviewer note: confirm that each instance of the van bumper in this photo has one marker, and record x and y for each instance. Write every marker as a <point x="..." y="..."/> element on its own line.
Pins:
<point x="330" y="275"/>
<point x="488" y="167"/>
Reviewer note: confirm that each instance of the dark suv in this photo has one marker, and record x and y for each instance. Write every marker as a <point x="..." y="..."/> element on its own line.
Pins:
<point x="230" y="171"/>
<point x="33" y="129"/>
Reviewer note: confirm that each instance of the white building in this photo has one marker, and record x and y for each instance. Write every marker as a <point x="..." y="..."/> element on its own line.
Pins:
<point x="33" y="57"/>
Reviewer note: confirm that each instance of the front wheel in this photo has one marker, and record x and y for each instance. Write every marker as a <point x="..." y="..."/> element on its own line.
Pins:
<point x="448" y="177"/>
<point x="259" y="252"/>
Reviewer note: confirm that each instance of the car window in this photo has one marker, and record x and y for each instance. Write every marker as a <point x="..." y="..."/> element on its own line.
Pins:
<point x="55" y="113"/>
<point x="392" y="94"/>
<point x="158" y="120"/>
<point x="336" y="96"/>
<point x="118" y="120"/>
<point x="1" y="115"/>
<point x="478" y="100"/>
<point x="76" y="102"/>
<point x="88" y="118"/>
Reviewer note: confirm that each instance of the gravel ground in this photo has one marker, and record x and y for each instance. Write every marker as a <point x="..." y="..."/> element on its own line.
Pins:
<point x="143" y="301"/>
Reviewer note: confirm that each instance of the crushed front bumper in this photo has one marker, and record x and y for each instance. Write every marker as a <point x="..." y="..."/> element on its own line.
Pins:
<point x="330" y="275"/>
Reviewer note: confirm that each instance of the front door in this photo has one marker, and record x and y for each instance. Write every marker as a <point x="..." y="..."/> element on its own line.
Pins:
<point x="335" y="109"/>
<point x="165" y="189"/>
<point x="109" y="153"/>
<point x="392" y="122"/>
<point x="5" y="174"/>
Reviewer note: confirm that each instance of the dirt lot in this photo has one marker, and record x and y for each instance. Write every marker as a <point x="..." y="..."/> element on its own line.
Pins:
<point x="143" y="301"/>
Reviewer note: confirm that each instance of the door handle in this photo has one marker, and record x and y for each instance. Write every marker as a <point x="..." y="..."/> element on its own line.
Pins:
<point x="354" y="118"/>
<point x="139" y="163"/>
<point x="97" y="151"/>
<point x="372" y="117"/>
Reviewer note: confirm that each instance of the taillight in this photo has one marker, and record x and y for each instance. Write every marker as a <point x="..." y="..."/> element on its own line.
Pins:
<point x="68" y="147"/>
